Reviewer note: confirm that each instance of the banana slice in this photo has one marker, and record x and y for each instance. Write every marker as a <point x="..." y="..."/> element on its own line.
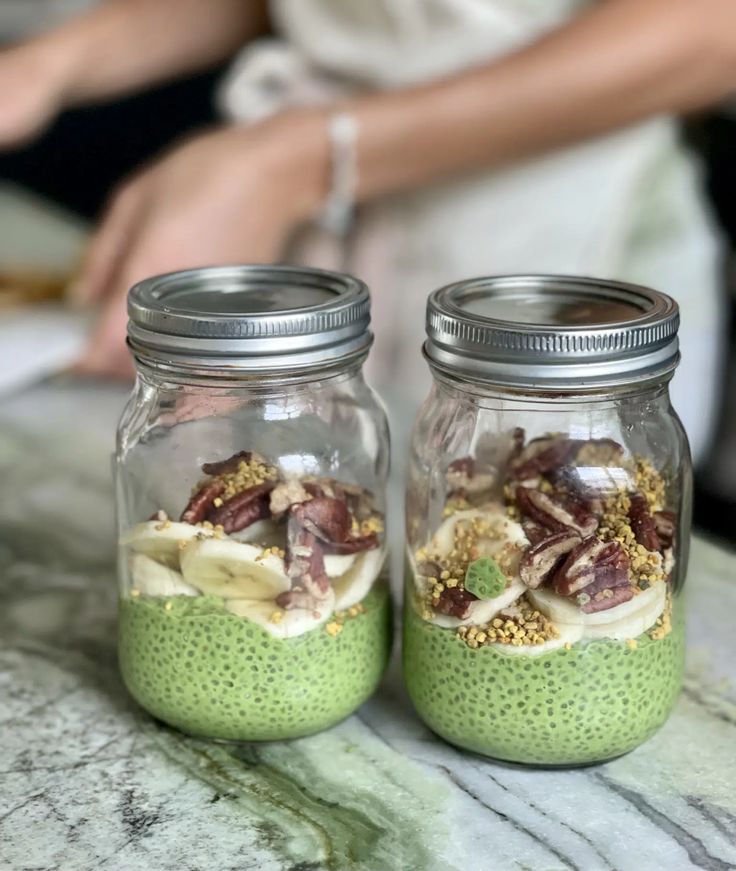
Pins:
<point x="336" y="564"/>
<point x="557" y="608"/>
<point x="279" y="623"/>
<point x="630" y="622"/>
<point x="160" y="541"/>
<point x="233" y="569"/>
<point x="560" y="609"/>
<point x="154" y="579"/>
<point x="353" y="586"/>
<point x="652" y="599"/>
<point x="569" y="634"/>
<point x="484" y="610"/>
<point x="502" y="531"/>
<point x="264" y="533"/>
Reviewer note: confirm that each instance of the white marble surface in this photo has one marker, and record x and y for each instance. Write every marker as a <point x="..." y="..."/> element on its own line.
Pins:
<point x="88" y="781"/>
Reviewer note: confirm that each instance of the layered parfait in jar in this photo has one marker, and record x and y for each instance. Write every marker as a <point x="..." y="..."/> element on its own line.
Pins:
<point x="540" y="624"/>
<point x="261" y="612"/>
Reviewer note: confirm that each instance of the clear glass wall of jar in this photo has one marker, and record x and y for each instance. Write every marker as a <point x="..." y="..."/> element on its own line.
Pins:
<point x="251" y="470"/>
<point x="548" y="514"/>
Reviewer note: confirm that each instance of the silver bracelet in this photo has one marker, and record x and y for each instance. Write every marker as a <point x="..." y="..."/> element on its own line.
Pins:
<point x="337" y="213"/>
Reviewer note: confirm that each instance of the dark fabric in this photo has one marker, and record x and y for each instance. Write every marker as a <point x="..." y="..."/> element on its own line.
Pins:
<point x="87" y="151"/>
<point x="714" y="506"/>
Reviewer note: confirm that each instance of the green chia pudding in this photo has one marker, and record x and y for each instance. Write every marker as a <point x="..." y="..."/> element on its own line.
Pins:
<point x="541" y="622"/>
<point x="208" y="672"/>
<point x="567" y="707"/>
<point x="262" y="613"/>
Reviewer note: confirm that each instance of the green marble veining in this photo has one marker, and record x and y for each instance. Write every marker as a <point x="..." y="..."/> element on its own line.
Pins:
<point x="326" y="798"/>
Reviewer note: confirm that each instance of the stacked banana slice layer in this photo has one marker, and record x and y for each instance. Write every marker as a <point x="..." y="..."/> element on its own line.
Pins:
<point x="182" y="559"/>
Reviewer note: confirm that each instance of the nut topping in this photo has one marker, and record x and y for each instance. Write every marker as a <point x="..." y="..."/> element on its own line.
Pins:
<point x="354" y="544"/>
<point x="454" y="602"/>
<point x="226" y="467"/>
<point x="602" y="602"/>
<point x="642" y="523"/>
<point x="244" y="509"/>
<point x="305" y="566"/>
<point x="592" y="566"/>
<point x="463" y="478"/>
<point x="593" y="523"/>
<point x="555" y="513"/>
<point x="360" y="502"/>
<point x="201" y="502"/>
<point x="665" y="525"/>
<point x="534" y="531"/>
<point x="328" y="519"/>
<point x="539" y="561"/>
<point x="543" y="455"/>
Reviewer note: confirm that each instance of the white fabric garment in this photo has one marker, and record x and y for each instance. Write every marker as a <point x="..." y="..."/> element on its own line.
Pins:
<point x="624" y="206"/>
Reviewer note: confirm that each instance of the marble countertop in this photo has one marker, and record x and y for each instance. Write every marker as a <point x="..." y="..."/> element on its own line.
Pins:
<point x="88" y="781"/>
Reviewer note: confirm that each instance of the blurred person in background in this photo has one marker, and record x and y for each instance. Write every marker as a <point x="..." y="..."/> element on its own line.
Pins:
<point x="483" y="136"/>
<point x="82" y="153"/>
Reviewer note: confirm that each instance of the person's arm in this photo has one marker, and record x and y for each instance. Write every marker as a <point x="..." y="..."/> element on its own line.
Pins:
<point x="618" y="63"/>
<point x="235" y="195"/>
<point x="123" y="45"/>
<point x="116" y="48"/>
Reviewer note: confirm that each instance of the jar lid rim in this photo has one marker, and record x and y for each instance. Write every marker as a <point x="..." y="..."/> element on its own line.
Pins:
<point x="557" y="331"/>
<point x="251" y="318"/>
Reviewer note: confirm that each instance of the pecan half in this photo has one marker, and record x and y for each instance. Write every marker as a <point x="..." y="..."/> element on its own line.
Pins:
<point x="354" y="544"/>
<point x="361" y="502"/>
<point x="327" y="518"/>
<point x="665" y="525"/>
<point x="543" y="455"/>
<point x="539" y="561"/>
<point x="641" y="522"/>
<point x="607" y="598"/>
<point x="534" y="531"/>
<point x="584" y="488"/>
<point x="305" y="567"/>
<point x="554" y="512"/>
<point x="231" y="464"/>
<point x="243" y="509"/>
<point x="455" y="602"/>
<point x="201" y="502"/>
<point x="463" y="466"/>
<point x="330" y="520"/>
<point x="463" y="478"/>
<point x="592" y="566"/>
<point x="518" y="437"/>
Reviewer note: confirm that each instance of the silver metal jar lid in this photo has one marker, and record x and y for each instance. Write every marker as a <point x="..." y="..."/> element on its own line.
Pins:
<point x="551" y="332"/>
<point x="251" y="319"/>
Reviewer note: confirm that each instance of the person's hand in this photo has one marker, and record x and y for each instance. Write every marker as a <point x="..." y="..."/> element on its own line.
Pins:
<point x="229" y="196"/>
<point x="32" y="89"/>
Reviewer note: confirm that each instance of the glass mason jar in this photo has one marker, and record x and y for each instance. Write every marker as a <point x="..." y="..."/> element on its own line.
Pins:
<point x="251" y="469"/>
<point x="548" y="516"/>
